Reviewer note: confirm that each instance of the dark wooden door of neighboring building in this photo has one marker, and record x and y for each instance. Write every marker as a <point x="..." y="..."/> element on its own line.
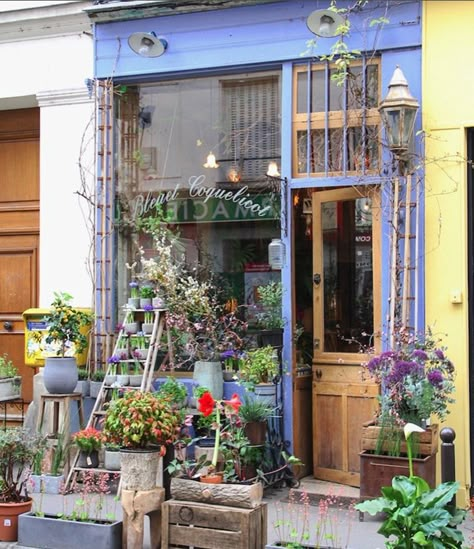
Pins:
<point x="19" y="232"/>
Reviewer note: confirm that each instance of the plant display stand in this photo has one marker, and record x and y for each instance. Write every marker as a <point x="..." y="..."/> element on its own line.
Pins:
<point x="105" y="393"/>
<point x="135" y="505"/>
<point x="191" y="524"/>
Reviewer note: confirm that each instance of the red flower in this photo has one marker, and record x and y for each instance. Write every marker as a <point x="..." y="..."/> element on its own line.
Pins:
<point x="234" y="402"/>
<point x="206" y="404"/>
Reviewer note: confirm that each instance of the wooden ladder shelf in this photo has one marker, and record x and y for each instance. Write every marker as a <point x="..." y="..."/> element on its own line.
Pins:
<point x="148" y="365"/>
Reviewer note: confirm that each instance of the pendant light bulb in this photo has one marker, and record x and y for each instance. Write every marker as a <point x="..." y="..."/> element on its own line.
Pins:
<point x="273" y="170"/>
<point x="211" y="161"/>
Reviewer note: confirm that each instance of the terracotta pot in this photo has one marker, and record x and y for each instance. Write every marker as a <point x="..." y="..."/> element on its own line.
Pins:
<point x="256" y="432"/>
<point x="214" y="478"/>
<point x="9" y="513"/>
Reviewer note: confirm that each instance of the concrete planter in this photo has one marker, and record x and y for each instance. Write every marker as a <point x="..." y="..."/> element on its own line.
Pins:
<point x="60" y="375"/>
<point x="83" y="387"/>
<point x="53" y="533"/>
<point x="10" y="388"/>
<point x="94" y="388"/>
<point x="47" y="484"/>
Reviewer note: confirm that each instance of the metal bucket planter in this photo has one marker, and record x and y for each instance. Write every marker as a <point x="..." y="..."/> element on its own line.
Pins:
<point x="55" y="533"/>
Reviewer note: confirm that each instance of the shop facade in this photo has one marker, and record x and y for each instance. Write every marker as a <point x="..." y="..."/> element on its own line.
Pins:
<point x="229" y="125"/>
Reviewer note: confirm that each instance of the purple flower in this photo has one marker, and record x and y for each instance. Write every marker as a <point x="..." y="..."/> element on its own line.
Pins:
<point x="148" y="307"/>
<point x="114" y="359"/>
<point x="435" y="377"/>
<point x="133" y="284"/>
<point x="373" y="364"/>
<point x="228" y="354"/>
<point x="439" y="353"/>
<point x="419" y="353"/>
<point x="402" y="369"/>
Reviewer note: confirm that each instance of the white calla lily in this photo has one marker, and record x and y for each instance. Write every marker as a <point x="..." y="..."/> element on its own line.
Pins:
<point x="410" y="428"/>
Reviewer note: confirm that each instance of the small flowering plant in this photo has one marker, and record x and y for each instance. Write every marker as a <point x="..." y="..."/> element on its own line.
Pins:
<point x="112" y="361"/>
<point x="148" y="314"/>
<point x="416" y="378"/>
<point x="134" y="289"/>
<point x="208" y="406"/>
<point x="88" y="440"/>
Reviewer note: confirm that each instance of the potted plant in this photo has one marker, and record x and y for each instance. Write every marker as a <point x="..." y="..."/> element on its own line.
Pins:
<point x="148" y="318"/>
<point x="97" y="379"/>
<point x="10" y="381"/>
<point x="173" y="390"/>
<point x="46" y="474"/>
<point x="83" y="383"/>
<point x="269" y="319"/>
<point x="134" y="299"/>
<point x="416" y="515"/>
<point x="417" y="382"/>
<point x="18" y="449"/>
<point x="142" y="425"/>
<point x="67" y="331"/>
<point x="147" y="293"/>
<point x="136" y="375"/>
<point x="258" y="372"/>
<point x="254" y="415"/>
<point x="111" y="376"/>
<point x="89" y="442"/>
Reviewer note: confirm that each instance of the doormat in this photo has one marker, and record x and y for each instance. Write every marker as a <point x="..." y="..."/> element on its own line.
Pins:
<point x="331" y="500"/>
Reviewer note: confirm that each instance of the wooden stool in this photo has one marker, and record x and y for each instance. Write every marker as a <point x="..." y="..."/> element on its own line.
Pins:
<point x="57" y="400"/>
<point x="135" y="505"/>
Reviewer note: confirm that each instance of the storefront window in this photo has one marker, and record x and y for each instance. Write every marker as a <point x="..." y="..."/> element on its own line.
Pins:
<point x="342" y="121"/>
<point x="194" y="154"/>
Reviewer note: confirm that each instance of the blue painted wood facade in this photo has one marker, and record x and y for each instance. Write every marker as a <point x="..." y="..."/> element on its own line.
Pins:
<point x="263" y="36"/>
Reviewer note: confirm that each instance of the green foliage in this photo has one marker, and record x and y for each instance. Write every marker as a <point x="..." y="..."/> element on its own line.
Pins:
<point x="98" y="375"/>
<point x="271" y="295"/>
<point x="140" y="420"/>
<point x="417" y="516"/>
<point x="19" y="447"/>
<point x="147" y="292"/>
<point x="7" y="369"/>
<point x="259" y="365"/>
<point x="173" y="390"/>
<point x="254" y="410"/>
<point x="65" y="324"/>
<point x="83" y="374"/>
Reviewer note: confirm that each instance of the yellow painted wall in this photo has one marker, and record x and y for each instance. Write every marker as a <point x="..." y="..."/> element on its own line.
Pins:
<point x="448" y="109"/>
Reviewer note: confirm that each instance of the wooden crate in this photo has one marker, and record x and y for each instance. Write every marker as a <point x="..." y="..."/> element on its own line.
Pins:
<point x="191" y="524"/>
<point x="425" y="444"/>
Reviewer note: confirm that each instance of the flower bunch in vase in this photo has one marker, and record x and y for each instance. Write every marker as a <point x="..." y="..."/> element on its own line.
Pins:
<point x="416" y="381"/>
<point x="89" y="442"/>
<point x="149" y="314"/>
<point x="134" y="289"/>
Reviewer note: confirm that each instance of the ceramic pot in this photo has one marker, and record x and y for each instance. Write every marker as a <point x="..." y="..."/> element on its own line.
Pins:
<point x="134" y="302"/>
<point x="212" y="478"/>
<point x="147" y="327"/>
<point x="60" y="375"/>
<point x="88" y="459"/>
<point x="130" y="327"/>
<point x="112" y="460"/>
<point x="9" y="513"/>
<point x="135" y="380"/>
<point x="145" y="302"/>
<point x="209" y="374"/>
<point x="123" y="380"/>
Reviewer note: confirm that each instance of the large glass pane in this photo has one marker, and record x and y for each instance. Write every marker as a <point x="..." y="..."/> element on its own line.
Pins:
<point x="223" y="217"/>
<point x="347" y="274"/>
<point x="302" y="92"/>
<point x="318" y="85"/>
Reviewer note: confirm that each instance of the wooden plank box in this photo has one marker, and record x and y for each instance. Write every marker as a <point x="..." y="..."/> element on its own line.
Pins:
<point x="191" y="524"/>
<point x="425" y="444"/>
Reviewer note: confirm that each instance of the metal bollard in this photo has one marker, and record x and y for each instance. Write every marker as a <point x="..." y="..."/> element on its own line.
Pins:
<point x="448" y="467"/>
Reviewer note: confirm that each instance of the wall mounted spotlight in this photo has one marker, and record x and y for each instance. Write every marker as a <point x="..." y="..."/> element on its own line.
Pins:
<point x="147" y="44"/>
<point x="324" y="23"/>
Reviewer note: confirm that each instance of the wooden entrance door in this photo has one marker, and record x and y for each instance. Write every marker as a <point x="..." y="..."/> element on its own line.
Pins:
<point x="19" y="232"/>
<point x="346" y="305"/>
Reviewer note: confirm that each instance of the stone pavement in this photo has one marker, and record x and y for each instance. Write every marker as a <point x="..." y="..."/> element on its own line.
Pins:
<point x="343" y="525"/>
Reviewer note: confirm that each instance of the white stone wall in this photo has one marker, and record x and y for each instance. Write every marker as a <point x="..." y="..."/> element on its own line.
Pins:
<point x="46" y="54"/>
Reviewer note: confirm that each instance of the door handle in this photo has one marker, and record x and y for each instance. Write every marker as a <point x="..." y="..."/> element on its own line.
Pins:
<point x="317" y="279"/>
<point x="8" y="326"/>
<point x="318" y="374"/>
